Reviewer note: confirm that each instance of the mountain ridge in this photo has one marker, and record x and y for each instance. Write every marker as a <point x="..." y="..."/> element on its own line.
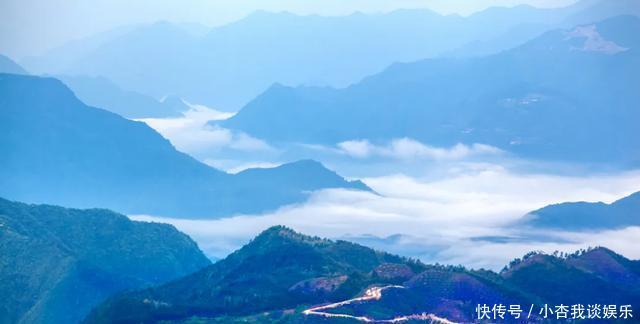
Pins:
<point x="57" y="263"/>
<point x="226" y="51"/>
<point x="587" y="215"/>
<point x="281" y="273"/>
<point x="101" y="92"/>
<point x="522" y="101"/>
<point x="66" y="153"/>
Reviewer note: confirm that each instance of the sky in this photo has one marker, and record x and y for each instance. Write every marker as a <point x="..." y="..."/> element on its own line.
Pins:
<point x="30" y="27"/>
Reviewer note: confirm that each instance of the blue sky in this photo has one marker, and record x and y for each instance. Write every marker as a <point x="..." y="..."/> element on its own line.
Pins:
<point x="29" y="27"/>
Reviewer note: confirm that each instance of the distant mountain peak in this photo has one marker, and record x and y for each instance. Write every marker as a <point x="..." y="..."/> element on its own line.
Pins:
<point x="529" y="259"/>
<point x="279" y="231"/>
<point x="416" y="12"/>
<point x="536" y="78"/>
<point x="126" y="165"/>
<point x="302" y="171"/>
<point x="599" y="250"/>
<point x="283" y="233"/>
<point x="299" y="165"/>
<point x="591" y="257"/>
<point x="308" y="162"/>
<point x="587" y="215"/>
<point x="598" y="254"/>
<point x="304" y="164"/>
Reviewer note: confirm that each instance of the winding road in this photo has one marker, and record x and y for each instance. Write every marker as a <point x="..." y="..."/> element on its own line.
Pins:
<point x="373" y="293"/>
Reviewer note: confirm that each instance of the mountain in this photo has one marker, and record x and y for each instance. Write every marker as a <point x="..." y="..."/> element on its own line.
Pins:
<point x="276" y="270"/>
<point x="586" y="277"/>
<point x="523" y="23"/>
<point x="280" y="275"/>
<point x="229" y="65"/>
<point x="588" y="11"/>
<point x="9" y="66"/>
<point x="100" y="92"/>
<point x="595" y="276"/>
<point x="58" y="150"/>
<point x="586" y="215"/>
<point x="58" y="263"/>
<point x="58" y="59"/>
<point x="535" y="100"/>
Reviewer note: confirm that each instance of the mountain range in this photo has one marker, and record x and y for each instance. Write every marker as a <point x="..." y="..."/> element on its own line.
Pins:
<point x="58" y="150"/>
<point x="101" y="92"/>
<point x="534" y="100"/>
<point x="549" y="86"/>
<point x="229" y="65"/>
<point x="283" y="276"/>
<point x="57" y="263"/>
<point x="588" y="215"/>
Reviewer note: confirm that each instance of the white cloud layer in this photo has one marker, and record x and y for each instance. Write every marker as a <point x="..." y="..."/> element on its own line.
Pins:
<point x="410" y="149"/>
<point x="235" y="166"/>
<point x="191" y="133"/>
<point x="438" y="218"/>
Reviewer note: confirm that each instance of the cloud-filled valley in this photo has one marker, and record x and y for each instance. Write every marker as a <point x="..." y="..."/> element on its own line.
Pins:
<point x="453" y="204"/>
<point x="460" y="217"/>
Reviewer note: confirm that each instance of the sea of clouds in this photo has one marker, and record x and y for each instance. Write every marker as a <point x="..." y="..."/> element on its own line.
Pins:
<point x="454" y="205"/>
<point x="470" y="216"/>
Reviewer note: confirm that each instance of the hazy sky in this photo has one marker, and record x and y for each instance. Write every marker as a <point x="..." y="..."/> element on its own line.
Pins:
<point x="29" y="27"/>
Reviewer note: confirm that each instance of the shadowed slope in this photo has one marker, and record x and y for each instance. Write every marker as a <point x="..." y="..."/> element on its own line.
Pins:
<point x="57" y="263"/>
